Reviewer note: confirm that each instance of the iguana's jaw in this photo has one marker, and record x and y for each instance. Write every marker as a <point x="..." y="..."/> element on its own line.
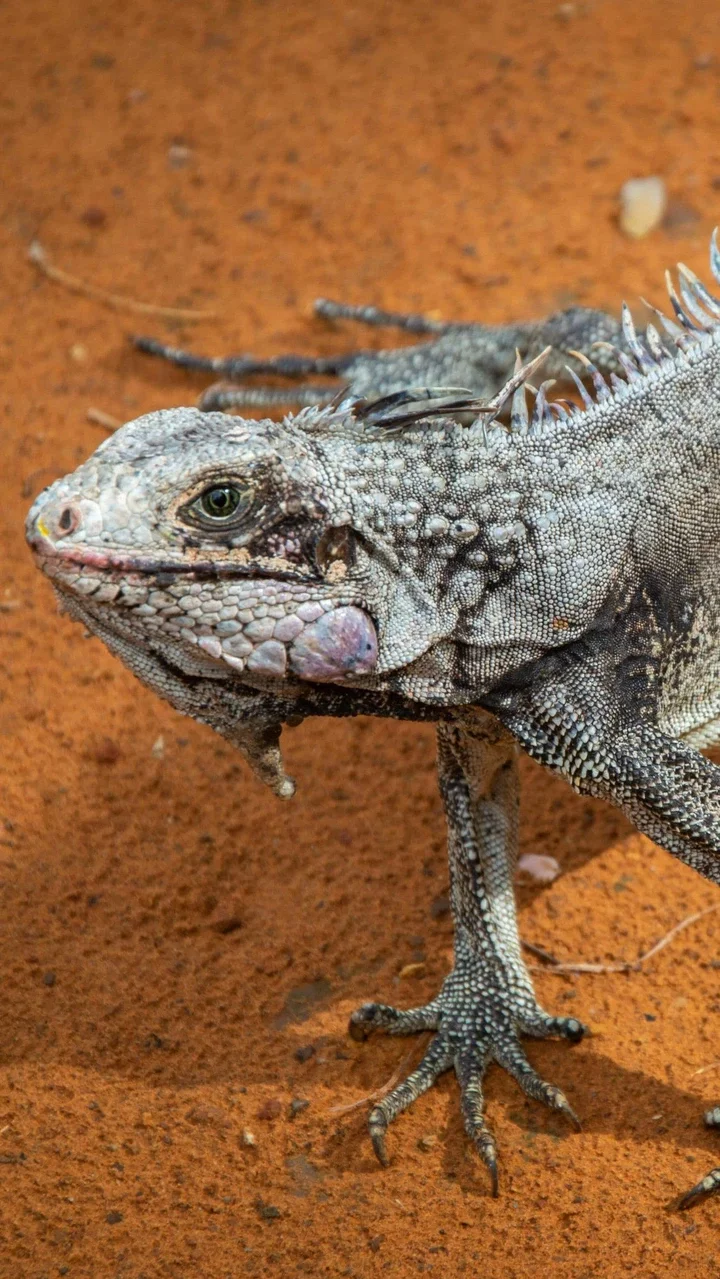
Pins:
<point x="231" y="617"/>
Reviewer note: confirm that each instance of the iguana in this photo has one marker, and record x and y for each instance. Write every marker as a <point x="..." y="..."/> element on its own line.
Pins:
<point x="547" y="578"/>
<point x="476" y="357"/>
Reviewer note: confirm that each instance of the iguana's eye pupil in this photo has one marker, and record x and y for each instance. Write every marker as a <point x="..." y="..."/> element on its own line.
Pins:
<point x="221" y="502"/>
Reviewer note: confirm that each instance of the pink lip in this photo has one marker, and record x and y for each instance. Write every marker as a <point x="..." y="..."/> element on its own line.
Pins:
<point x="121" y="564"/>
<point x="92" y="559"/>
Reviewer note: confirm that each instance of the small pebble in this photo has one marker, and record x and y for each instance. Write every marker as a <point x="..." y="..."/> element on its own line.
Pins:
<point x="412" y="970"/>
<point x="427" y="1142"/>
<point x="297" y="1105"/>
<point x="266" y="1211"/>
<point x="93" y="216"/>
<point x="112" y="1218"/>
<point x="642" y="204"/>
<point x="540" y="868"/>
<point x="107" y="751"/>
<point x="79" y="353"/>
<point x="178" y="156"/>
<point x="210" y="1116"/>
<point x="49" y="979"/>
<point x="157" y="749"/>
<point x="270" y="1109"/>
<point x="248" y="1138"/>
<point x="304" y="1053"/>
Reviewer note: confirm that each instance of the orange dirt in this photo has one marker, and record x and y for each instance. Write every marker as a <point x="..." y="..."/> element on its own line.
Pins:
<point x="171" y="934"/>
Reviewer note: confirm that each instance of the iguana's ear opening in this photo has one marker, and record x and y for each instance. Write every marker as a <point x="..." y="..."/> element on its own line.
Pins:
<point x="407" y="619"/>
<point x="334" y="551"/>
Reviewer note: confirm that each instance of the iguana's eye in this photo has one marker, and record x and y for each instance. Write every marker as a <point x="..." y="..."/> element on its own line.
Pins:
<point x="221" y="504"/>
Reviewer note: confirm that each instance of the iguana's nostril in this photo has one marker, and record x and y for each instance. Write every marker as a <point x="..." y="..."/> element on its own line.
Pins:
<point x="68" y="520"/>
<point x="56" y="520"/>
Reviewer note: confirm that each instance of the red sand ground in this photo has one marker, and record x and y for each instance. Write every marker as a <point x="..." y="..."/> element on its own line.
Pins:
<point x="171" y="934"/>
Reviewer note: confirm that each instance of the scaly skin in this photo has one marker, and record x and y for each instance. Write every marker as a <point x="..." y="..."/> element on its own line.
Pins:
<point x="549" y="580"/>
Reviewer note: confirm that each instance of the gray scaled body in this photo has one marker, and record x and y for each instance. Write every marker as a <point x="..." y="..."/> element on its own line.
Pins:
<point x="549" y="579"/>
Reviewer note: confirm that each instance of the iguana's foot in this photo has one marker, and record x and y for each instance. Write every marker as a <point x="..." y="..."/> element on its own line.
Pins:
<point x="710" y="1184"/>
<point x="479" y="1015"/>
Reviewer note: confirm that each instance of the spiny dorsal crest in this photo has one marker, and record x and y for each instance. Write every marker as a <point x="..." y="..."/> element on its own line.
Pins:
<point x="697" y="314"/>
<point x="696" y="325"/>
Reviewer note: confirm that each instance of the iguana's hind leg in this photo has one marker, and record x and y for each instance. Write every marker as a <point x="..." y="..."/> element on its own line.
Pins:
<point x="576" y="718"/>
<point x="479" y="357"/>
<point x="487" y="1002"/>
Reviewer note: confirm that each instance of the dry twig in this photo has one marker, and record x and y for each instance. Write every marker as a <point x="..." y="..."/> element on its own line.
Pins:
<point x="625" y="966"/>
<point x="540" y="953"/>
<point x="99" y="417"/>
<point x="702" y="1070"/>
<point x="394" y="1079"/>
<point x="117" y="301"/>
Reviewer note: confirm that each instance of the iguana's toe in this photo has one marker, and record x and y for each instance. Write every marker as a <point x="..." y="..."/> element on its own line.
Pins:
<point x="511" y="1057"/>
<point x="710" y="1184"/>
<point x="436" y="1061"/>
<point x="395" y="1021"/>
<point x="565" y="1027"/>
<point x="470" y="1068"/>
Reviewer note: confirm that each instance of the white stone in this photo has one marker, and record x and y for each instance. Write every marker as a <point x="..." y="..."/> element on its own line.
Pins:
<point x="642" y="204"/>
<point x="539" y="867"/>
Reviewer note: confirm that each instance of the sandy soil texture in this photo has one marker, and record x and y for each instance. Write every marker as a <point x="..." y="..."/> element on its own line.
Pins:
<point x="179" y="952"/>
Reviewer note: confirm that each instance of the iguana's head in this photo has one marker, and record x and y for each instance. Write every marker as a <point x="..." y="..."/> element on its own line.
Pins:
<point x="220" y="544"/>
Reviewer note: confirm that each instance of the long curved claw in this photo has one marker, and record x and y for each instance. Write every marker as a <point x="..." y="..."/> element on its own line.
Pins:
<point x="710" y="1185"/>
<point x="436" y="1061"/>
<point x="512" y="1058"/>
<point x="490" y="1162"/>
<point x="484" y="1143"/>
<point x="557" y="1100"/>
<point x="378" y="1125"/>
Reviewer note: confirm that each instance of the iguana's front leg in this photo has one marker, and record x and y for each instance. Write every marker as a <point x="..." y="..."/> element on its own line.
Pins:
<point x="487" y="1002"/>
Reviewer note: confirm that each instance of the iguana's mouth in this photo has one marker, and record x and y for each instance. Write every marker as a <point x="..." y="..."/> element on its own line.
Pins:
<point x="121" y="565"/>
